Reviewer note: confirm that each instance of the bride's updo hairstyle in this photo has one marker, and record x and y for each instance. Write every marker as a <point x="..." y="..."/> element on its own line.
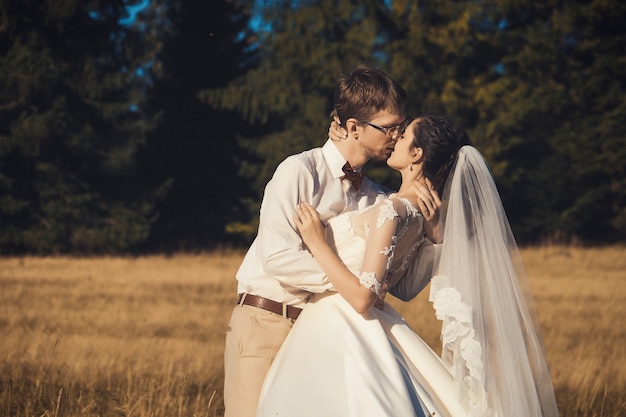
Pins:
<point x="440" y="139"/>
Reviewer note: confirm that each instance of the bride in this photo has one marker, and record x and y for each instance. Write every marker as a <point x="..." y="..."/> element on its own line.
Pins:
<point x="345" y="358"/>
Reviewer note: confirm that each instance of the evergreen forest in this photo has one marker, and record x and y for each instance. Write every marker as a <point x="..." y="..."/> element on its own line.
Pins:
<point x="135" y="126"/>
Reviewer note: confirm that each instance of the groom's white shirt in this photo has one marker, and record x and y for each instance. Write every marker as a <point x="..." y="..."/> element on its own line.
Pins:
<point x="276" y="265"/>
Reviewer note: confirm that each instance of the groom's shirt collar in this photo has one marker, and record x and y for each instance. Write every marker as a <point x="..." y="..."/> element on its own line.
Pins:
<point x="334" y="158"/>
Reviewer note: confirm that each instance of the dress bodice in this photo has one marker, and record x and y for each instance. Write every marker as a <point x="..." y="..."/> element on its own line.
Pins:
<point x="350" y="234"/>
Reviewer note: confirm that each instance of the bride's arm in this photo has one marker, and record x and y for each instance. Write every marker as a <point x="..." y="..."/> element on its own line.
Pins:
<point x="360" y="292"/>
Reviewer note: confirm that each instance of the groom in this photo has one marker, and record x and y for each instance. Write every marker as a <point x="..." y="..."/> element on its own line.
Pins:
<point x="277" y="274"/>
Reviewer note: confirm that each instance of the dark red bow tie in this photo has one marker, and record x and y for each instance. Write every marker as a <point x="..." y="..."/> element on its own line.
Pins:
<point x="351" y="175"/>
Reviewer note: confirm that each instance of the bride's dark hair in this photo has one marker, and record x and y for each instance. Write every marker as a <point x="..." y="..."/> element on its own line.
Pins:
<point x="440" y="139"/>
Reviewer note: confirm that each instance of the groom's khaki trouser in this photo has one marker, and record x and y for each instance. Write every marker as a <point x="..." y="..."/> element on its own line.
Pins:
<point x="253" y="338"/>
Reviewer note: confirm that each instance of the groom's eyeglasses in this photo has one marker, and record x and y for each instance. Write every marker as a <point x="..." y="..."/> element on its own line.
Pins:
<point x="392" y="131"/>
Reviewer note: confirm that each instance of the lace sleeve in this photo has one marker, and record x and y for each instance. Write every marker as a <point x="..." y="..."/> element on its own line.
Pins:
<point x="369" y="281"/>
<point x="380" y="247"/>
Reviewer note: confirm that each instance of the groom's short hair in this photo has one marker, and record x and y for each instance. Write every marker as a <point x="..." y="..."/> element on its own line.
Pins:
<point x="365" y="92"/>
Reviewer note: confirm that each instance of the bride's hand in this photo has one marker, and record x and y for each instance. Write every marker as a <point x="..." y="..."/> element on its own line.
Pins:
<point x="429" y="204"/>
<point x="336" y="132"/>
<point x="310" y="226"/>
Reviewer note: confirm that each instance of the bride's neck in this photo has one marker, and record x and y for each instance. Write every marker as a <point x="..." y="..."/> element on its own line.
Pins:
<point x="406" y="188"/>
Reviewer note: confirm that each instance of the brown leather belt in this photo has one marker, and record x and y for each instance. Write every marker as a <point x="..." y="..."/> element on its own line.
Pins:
<point x="270" y="305"/>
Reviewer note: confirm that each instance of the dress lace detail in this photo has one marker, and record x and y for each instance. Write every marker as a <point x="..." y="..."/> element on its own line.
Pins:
<point x="387" y="212"/>
<point x="390" y="252"/>
<point x="369" y="281"/>
<point x="412" y="213"/>
<point x="404" y="215"/>
<point x="407" y="258"/>
<point x="410" y="208"/>
<point x="461" y="351"/>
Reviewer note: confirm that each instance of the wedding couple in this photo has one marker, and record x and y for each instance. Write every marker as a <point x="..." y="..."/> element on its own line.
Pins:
<point x="349" y="353"/>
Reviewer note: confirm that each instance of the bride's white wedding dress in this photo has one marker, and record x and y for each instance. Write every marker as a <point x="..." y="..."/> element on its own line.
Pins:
<point x="338" y="363"/>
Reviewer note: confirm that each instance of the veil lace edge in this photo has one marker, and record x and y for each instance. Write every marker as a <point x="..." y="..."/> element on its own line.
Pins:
<point x="461" y="351"/>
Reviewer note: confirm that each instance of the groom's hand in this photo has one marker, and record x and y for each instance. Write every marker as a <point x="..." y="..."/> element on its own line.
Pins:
<point x="380" y="301"/>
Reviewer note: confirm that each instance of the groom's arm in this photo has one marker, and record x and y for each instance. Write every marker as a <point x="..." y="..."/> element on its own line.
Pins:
<point x="279" y="246"/>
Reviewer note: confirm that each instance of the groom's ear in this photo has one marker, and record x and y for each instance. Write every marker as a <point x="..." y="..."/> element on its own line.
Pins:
<point x="351" y="125"/>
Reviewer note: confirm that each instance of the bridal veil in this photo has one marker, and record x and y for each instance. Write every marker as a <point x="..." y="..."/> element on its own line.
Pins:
<point x="490" y="333"/>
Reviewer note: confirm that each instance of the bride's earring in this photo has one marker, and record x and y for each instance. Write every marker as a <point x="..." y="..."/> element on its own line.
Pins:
<point x="411" y="167"/>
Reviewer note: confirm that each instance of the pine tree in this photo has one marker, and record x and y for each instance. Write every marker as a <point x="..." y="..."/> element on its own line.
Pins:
<point x="70" y="126"/>
<point x="287" y="96"/>
<point x="548" y="117"/>
<point x="539" y="87"/>
<point x="194" y="147"/>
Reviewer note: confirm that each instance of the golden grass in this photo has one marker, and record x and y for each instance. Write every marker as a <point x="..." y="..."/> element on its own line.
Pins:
<point x="144" y="336"/>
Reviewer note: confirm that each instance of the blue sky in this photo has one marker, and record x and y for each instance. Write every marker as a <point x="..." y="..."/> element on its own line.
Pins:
<point x="133" y="10"/>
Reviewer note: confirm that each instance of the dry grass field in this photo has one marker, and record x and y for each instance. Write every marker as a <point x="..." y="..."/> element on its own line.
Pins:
<point x="144" y="336"/>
